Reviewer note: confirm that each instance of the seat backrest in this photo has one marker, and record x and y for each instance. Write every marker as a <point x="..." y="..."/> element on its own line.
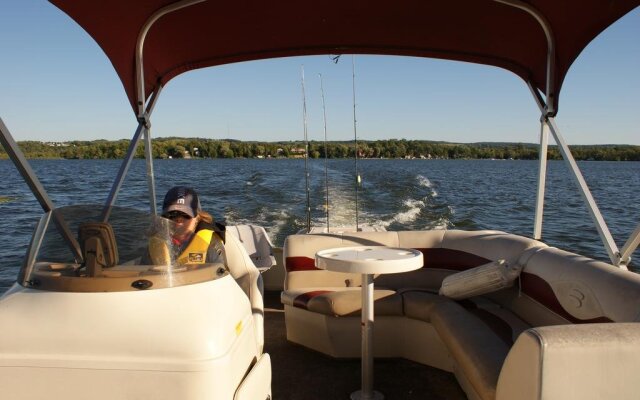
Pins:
<point x="490" y="245"/>
<point x="299" y="257"/>
<point x="449" y="251"/>
<point x="559" y="287"/>
<point x="248" y="278"/>
<point x="256" y="241"/>
<point x="445" y="252"/>
<point x="591" y="361"/>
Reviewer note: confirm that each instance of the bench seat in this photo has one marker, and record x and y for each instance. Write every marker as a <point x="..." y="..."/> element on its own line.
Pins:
<point x="495" y="344"/>
<point x="479" y="353"/>
<point x="340" y="301"/>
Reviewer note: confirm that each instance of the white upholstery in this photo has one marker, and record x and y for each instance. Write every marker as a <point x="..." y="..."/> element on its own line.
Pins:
<point x="571" y="362"/>
<point x="248" y="278"/>
<point x="474" y="337"/>
<point x="343" y="301"/>
<point x="256" y="241"/>
<point x="476" y="281"/>
<point x="586" y="288"/>
<point x="492" y="245"/>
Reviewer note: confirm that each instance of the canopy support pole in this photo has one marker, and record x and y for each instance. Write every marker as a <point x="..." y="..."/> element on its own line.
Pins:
<point x="143" y="117"/>
<point x="548" y="122"/>
<point x="140" y="87"/>
<point x="148" y="151"/>
<point x="550" y="92"/>
<point x="630" y="246"/>
<point x="542" y="164"/>
<point x="542" y="174"/>
<point x="131" y="151"/>
<point x="21" y="163"/>
<point x="601" y="225"/>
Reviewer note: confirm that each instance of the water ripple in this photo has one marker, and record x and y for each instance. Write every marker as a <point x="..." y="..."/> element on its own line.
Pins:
<point x="402" y="195"/>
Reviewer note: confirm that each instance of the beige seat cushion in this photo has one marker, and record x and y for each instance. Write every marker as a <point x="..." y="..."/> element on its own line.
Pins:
<point x="575" y="361"/>
<point x="341" y="301"/>
<point x="419" y="304"/>
<point x="477" y="350"/>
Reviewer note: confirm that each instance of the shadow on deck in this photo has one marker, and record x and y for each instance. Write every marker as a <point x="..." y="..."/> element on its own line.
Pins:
<point x="303" y="374"/>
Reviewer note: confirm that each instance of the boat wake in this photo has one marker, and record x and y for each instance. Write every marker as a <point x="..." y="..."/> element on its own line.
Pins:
<point x="383" y="200"/>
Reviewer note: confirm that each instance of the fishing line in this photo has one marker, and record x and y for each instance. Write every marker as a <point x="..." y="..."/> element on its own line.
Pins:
<point x="306" y="152"/>
<point x="326" y="157"/>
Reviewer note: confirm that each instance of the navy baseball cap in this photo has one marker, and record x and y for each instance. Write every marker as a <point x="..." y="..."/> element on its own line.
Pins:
<point x="183" y="199"/>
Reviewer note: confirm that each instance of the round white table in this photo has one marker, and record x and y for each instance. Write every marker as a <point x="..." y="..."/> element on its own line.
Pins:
<point x="368" y="261"/>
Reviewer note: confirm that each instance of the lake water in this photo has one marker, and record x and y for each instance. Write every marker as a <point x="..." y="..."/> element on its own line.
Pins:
<point x="399" y="194"/>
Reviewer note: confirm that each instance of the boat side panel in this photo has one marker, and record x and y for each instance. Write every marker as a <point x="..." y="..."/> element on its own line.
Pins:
<point x="194" y="341"/>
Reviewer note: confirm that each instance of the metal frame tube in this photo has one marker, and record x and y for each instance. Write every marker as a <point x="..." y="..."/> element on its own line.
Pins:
<point x="148" y="155"/>
<point x="21" y="163"/>
<point x="148" y="151"/>
<point x="542" y="175"/>
<point x="141" y="101"/>
<point x="601" y="225"/>
<point x="630" y="246"/>
<point x="34" y="248"/>
<point x="24" y="168"/>
<point x="124" y="167"/>
<point x="551" y="97"/>
<point x="367" y="336"/>
<point x="143" y="116"/>
<point x="143" y="123"/>
<point x="542" y="165"/>
<point x="603" y="231"/>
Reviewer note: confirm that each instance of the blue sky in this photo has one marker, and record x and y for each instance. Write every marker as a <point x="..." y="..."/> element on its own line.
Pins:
<point x="56" y="84"/>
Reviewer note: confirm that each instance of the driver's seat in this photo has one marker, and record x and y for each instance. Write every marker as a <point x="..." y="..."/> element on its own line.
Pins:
<point x="98" y="245"/>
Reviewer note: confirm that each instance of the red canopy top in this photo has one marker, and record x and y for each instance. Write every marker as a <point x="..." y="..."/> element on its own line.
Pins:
<point x="217" y="32"/>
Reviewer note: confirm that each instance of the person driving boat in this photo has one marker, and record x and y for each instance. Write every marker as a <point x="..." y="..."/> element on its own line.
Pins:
<point x="193" y="237"/>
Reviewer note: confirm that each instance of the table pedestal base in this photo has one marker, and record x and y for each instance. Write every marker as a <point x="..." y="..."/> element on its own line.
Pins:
<point x="359" y="395"/>
<point x="368" y="260"/>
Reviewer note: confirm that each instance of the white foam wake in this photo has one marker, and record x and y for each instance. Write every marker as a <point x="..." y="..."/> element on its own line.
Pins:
<point x="407" y="216"/>
<point x="423" y="181"/>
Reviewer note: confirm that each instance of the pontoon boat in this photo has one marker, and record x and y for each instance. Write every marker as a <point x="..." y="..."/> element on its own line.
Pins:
<point x="506" y="315"/>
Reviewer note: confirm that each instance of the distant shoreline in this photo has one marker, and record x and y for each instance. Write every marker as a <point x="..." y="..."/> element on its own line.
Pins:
<point x="198" y="148"/>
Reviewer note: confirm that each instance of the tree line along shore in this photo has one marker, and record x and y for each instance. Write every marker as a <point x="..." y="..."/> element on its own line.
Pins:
<point x="173" y="147"/>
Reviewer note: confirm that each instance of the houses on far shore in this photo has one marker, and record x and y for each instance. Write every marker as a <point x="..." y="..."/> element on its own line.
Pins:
<point x="198" y="148"/>
<point x="56" y="144"/>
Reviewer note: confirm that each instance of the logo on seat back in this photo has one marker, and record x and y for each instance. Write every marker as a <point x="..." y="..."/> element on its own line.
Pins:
<point x="196" y="258"/>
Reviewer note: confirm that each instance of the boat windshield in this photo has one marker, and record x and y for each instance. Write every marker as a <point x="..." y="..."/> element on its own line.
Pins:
<point x="72" y="250"/>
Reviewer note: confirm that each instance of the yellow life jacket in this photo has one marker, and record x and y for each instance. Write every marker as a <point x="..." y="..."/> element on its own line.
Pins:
<point x="196" y="250"/>
<point x="194" y="253"/>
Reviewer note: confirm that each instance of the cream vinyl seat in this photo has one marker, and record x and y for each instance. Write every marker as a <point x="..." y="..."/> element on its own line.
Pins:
<point x="495" y="344"/>
<point x="256" y="241"/>
<point x="249" y="279"/>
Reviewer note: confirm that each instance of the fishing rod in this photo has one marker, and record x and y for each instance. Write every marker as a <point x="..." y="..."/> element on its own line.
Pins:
<point x="355" y="132"/>
<point x="306" y="152"/>
<point x="326" y="157"/>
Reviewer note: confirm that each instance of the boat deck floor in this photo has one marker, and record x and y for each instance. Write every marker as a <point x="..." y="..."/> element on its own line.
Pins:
<point x="303" y="374"/>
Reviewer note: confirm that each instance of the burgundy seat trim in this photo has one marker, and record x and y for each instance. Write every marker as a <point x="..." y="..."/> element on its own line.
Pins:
<point x="300" y="263"/>
<point x="439" y="258"/>
<point x="302" y="300"/>
<point x="540" y="290"/>
<point x="457" y="260"/>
